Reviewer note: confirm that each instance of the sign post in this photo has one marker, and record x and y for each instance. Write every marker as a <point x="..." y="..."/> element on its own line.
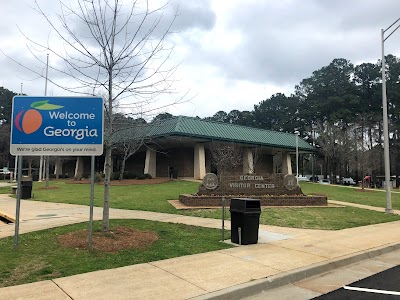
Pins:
<point x="18" y="204"/>
<point x="57" y="126"/>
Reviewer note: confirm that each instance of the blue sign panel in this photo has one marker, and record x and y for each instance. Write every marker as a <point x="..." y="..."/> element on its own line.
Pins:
<point x="57" y="126"/>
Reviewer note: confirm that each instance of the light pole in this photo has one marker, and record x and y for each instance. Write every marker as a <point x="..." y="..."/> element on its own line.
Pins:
<point x="388" y="209"/>
<point x="297" y="154"/>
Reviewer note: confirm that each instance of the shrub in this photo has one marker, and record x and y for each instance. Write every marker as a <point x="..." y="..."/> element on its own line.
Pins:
<point x="114" y="176"/>
<point x="98" y="177"/>
<point x="144" y="176"/>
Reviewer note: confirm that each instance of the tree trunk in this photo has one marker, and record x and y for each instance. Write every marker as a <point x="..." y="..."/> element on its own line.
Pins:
<point x="397" y="141"/>
<point x="362" y="156"/>
<point x="121" y="173"/>
<point x="106" y="205"/>
<point x="356" y="156"/>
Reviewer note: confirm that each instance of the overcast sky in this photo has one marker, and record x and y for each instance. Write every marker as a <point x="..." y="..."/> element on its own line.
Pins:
<point x="232" y="54"/>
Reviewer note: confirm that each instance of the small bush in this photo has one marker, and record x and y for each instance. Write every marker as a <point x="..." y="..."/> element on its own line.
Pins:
<point x="98" y="177"/>
<point x="144" y="176"/>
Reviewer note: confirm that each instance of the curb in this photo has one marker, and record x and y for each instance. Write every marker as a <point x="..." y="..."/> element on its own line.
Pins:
<point x="261" y="285"/>
<point x="8" y="217"/>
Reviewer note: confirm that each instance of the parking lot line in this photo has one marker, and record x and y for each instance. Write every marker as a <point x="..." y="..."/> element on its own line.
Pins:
<point x="371" y="290"/>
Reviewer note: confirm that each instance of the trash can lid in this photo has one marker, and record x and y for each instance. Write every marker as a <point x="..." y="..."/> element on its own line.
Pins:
<point x="245" y="204"/>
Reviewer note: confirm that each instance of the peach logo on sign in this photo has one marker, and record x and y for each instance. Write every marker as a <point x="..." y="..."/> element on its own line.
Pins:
<point x="31" y="120"/>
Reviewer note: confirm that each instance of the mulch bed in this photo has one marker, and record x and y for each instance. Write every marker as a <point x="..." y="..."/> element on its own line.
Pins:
<point x="119" y="238"/>
<point x="124" y="182"/>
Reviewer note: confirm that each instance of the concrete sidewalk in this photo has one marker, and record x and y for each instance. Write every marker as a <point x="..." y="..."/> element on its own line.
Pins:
<point x="219" y="274"/>
<point x="363" y="206"/>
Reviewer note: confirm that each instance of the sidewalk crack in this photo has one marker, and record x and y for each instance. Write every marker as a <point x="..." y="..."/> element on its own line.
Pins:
<point x="62" y="290"/>
<point x="150" y="263"/>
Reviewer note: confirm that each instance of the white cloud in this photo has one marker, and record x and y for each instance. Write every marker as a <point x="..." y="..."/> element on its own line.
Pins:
<point x="233" y="54"/>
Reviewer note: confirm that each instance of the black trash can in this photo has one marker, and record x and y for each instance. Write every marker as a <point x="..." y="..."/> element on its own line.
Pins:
<point x="173" y="173"/>
<point x="26" y="189"/>
<point x="245" y="214"/>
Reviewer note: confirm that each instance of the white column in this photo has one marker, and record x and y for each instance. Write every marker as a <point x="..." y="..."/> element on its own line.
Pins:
<point x="199" y="161"/>
<point x="41" y="168"/>
<point x="150" y="163"/>
<point x="58" y="168"/>
<point x="248" y="161"/>
<point x="79" y="168"/>
<point x="286" y="163"/>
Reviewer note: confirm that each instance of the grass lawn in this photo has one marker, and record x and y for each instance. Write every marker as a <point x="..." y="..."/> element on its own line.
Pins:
<point x="41" y="257"/>
<point x="154" y="198"/>
<point x="331" y="218"/>
<point x="5" y="190"/>
<point x="151" y="197"/>
<point x="349" y="194"/>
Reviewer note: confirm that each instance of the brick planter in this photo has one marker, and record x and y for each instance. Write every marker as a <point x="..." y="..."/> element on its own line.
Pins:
<point x="287" y="200"/>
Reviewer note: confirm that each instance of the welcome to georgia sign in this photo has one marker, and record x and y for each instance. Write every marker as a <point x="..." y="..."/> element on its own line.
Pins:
<point x="60" y="126"/>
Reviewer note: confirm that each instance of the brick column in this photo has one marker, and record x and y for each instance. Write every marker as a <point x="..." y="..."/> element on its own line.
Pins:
<point x="150" y="163"/>
<point x="248" y="162"/>
<point x="79" y="167"/>
<point x="286" y="163"/>
<point x="199" y="161"/>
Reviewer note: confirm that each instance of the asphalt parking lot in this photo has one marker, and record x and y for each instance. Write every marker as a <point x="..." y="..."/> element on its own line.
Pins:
<point x="384" y="285"/>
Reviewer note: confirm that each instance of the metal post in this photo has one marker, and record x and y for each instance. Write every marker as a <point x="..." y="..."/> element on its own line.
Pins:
<point x="18" y="203"/>
<point x="297" y="155"/>
<point x="47" y="171"/>
<point x="90" y="237"/>
<point x="15" y="167"/>
<point x="312" y="167"/>
<point x="388" y="209"/>
<point x="223" y="218"/>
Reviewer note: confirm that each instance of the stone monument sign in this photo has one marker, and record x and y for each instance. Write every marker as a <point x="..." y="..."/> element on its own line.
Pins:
<point x="251" y="185"/>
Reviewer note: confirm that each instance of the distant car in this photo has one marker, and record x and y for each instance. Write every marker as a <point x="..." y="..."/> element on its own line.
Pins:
<point x="324" y="181"/>
<point x="303" y="178"/>
<point x="348" y="181"/>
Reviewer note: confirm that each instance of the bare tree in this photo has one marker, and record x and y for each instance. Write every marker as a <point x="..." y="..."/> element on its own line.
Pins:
<point x="112" y="47"/>
<point x="129" y="141"/>
<point x="225" y="156"/>
<point x="257" y="158"/>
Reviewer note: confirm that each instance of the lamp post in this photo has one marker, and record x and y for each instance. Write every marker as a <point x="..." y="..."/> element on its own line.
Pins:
<point x="388" y="209"/>
<point x="297" y="154"/>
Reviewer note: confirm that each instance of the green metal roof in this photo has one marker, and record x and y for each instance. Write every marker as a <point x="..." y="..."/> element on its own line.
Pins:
<point x="198" y="128"/>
